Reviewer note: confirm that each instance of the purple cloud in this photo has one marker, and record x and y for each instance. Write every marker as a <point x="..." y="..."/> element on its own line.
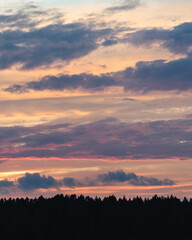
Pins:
<point x="157" y="75"/>
<point x="178" y="39"/>
<point x="106" y="139"/>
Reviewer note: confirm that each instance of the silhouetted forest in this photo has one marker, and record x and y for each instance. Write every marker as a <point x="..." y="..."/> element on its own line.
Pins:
<point x="82" y="218"/>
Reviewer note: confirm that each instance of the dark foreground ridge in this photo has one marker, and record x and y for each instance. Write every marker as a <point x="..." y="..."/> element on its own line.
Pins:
<point x="83" y="218"/>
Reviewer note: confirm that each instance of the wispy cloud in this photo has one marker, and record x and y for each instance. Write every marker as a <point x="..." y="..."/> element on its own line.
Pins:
<point x="28" y="17"/>
<point x="105" y="139"/>
<point x="127" y="5"/>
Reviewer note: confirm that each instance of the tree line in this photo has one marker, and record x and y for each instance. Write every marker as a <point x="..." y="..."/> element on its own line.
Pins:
<point x="82" y="218"/>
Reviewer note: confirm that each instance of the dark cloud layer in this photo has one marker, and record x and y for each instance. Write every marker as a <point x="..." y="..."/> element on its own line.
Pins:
<point x="33" y="37"/>
<point x="71" y="182"/>
<point x="35" y="181"/>
<point x="108" y="139"/>
<point x="158" y="75"/>
<point x="28" y="45"/>
<point x="83" y="81"/>
<point x="43" y="46"/>
<point x="120" y="177"/>
<point x="6" y="184"/>
<point x="146" y="76"/>
<point x="178" y="39"/>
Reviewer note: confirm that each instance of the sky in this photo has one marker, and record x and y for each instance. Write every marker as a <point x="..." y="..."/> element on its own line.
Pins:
<point x="95" y="98"/>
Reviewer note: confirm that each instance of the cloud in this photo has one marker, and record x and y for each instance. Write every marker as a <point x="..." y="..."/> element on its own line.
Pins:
<point x="6" y="184"/>
<point x="178" y="39"/>
<point x="71" y="182"/>
<point x="151" y="181"/>
<point x="110" y="42"/>
<point x="44" y="46"/>
<point x="2" y="161"/>
<point x="129" y="99"/>
<point x="83" y="81"/>
<point x="28" y="17"/>
<point x="104" y="139"/>
<point x="120" y="177"/>
<point x="32" y="37"/>
<point x="125" y="6"/>
<point x="35" y="181"/>
<point x="158" y="75"/>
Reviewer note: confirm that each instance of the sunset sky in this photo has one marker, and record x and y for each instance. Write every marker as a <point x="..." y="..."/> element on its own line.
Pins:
<point x="96" y="97"/>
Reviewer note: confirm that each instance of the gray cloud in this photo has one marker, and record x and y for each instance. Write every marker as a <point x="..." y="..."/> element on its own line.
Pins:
<point x="151" y="181"/>
<point x="35" y="181"/>
<point x="25" y="42"/>
<point x="6" y="184"/>
<point x="120" y="177"/>
<point x="43" y="46"/>
<point x="178" y="39"/>
<point x="110" y="42"/>
<point x="84" y="81"/>
<point x="28" y="17"/>
<point x="125" y="6"/>
<point x="145" y="76"/>
<point x="71" y="182"/>
<point x="28" y="45"/>
<point x="102" y="139"/>
<point x="158" y="75"/>
<point x="129" y="99"/>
